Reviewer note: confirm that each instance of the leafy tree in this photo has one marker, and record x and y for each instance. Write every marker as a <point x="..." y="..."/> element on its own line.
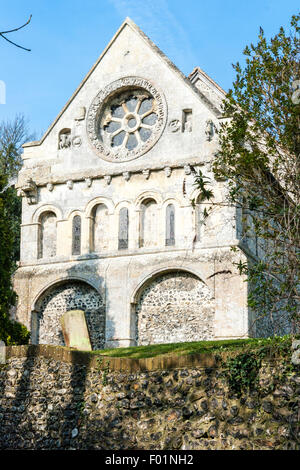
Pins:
<point x="11" y="332"/>
<point x="12" y="135"/>
<point x="259" y="156"/>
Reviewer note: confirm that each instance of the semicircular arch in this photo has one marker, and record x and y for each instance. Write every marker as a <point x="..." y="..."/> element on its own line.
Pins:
<point x="59" y="297"/>
<point x="47" y="208"/>
<point x="173" y="306"/>
<point x="155" y="195"/>
<point x="97" y="201"/>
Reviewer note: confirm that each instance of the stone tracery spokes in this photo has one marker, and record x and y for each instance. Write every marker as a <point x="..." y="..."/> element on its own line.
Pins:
<point x="129" y="122"/>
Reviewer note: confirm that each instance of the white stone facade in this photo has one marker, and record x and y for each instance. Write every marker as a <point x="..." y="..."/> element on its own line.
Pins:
<point x="108" y="212"/>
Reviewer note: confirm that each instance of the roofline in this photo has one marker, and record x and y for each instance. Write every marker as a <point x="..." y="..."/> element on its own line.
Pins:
<point x="128" y="22"/>
<point x="212" y="82"/>
<point x="39" y="142"/>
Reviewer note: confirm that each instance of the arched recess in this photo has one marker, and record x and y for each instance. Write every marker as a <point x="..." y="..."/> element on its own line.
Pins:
<point x="173" y="306"/>
<point x="100" y="228"/>
<point x="47" y="235"/>
<point x="71" y="294"/>
<point x="46" y="208"/>
<point x="149" y="220"/>
<point x="170" y="225"/>
<point x="76" y="234"/>
<point x="99" y="212"/>
<point x="148" y="195"/>
<point x="123" y="228"/>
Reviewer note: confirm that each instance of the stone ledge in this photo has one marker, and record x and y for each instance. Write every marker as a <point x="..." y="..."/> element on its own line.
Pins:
<point x="94" y="360"/>
<point x="97" y="361"/>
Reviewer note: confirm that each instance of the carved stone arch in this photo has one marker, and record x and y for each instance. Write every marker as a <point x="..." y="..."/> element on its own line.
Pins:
<point x="96" y="201"/>
<point x="149" y="223"/>
<point x="47" y="208"/>
<point x="100" y="224"/>
<point x="125" y="203"/>
<point x="172" y="200"/>
<point x="173" y="305"/>
<point x="64" y="138"/>
<point x="46" y="218"/>
<point x="153" y="194"/>
<point x="71" y="214"/>
<point x="60" y="297"/>
<point x="169" y="227"/>
<point x="146" y="278"/>
<point x="62" y="280"/>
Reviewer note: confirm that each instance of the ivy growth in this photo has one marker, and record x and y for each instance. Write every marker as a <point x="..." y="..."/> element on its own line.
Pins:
<point x="242" y="372"/>
<point x="105" y="370"/>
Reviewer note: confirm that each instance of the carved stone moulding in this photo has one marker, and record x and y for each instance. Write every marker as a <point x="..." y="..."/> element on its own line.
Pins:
<point x="126" y="175"/>
<point x="125" y="119"/>
<point x="146" y="174"/>
<point x="168" y="171"/>
<point x="76" y="141"/>
<point x="29" y="190"/>
<point x="107" y="179"/>
<point x="175" y="125"/>
<point x="88" y="182"/>
<point x="187" y="169"/>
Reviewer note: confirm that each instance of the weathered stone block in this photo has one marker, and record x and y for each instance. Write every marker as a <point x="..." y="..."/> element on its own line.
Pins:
<point x="75" y="330"/>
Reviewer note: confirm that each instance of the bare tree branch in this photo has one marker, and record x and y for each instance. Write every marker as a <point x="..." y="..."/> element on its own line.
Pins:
<point x="17" y="29"/>
<point x="13" y="30"/>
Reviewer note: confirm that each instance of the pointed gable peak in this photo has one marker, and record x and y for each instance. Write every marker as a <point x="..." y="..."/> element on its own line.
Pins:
<point x="207" y="87"/>
<point x="192" y="81"/>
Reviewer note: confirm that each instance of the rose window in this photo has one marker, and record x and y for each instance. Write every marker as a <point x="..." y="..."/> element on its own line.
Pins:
<point x="129" y="121"/>
<point x="125" y="121"/>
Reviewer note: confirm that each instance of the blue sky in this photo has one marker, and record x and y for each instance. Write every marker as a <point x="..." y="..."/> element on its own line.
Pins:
<point x="67" y="36"/>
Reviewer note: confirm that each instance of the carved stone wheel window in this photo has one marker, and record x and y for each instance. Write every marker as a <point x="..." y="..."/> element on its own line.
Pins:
<point x="126" y="119"/>
<point x="129" y="120"/>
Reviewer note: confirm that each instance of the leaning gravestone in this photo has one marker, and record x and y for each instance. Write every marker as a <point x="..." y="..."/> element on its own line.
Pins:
<point x="75" y="331"/>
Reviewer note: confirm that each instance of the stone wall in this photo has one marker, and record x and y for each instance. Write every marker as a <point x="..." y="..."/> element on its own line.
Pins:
<point x="55" y="398"/>
<point x="69" y="296"/>
<point x="175" y="307"/>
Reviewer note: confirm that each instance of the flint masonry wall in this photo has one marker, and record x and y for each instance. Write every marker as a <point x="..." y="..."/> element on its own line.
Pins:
<point x="55" y="398"/>
<point x="175" y="307"/>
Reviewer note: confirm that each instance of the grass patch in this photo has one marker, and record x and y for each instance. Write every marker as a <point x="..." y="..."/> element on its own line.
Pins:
<point x="181" y="349"/>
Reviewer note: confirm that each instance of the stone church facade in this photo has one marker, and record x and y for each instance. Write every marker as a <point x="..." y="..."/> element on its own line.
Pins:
<point x="111" y="223"/>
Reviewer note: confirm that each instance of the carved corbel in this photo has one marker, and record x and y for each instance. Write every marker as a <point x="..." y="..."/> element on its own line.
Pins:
<point x="168" y="171"/>
<point x="29" y="190"/>
<point x="146" y="174"/>
<point x="187" y="169"/>
<point x="107" y="179"/>
<point x="88" y="182"/>
<point x="126" y="175"/>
